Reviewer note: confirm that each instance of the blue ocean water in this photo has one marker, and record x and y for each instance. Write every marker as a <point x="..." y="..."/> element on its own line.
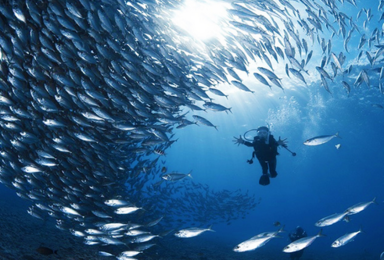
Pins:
<point x="318" y="182"/>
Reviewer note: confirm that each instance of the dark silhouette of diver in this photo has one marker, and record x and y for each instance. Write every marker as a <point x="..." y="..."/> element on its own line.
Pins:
<point x="297" y="234"/>
<point x="265" y="150"/>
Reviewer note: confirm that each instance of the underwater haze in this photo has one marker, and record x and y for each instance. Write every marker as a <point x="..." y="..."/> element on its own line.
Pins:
<point x="116" y="118"/>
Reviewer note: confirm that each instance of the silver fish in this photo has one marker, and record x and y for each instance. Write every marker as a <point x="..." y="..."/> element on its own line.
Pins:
<point x="359" y="207"/>
<point x="330" y="220"/>
<point x="192" y="232"/>
<point x="261" y="79"/>
<point x="203" y="121"/>
<point x="241" y="86"/>
<point x="256" y="241"/>
<point x="301" y="243"/>
<point x="175" y="176"/>
<point x="252" y="244"/>
<point x="322" y="139"/>
<point x="341" y="241"/>
<point x="126" y="210"/>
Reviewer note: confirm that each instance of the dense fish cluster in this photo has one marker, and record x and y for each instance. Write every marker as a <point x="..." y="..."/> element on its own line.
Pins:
<point x="88" y="105"/>
<point x="92" y="91"/>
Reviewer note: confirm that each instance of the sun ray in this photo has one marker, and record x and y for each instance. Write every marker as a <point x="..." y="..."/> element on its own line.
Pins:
<point x="201" y="19"/>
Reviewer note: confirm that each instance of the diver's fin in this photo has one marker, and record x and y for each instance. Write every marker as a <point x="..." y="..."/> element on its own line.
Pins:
<point x="264" y="180"/>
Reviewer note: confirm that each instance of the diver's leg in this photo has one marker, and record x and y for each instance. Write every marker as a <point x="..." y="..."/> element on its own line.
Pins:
<point x="272" y="167"/>
<point x="264" y="179"/>
<point x="264" y="166"/>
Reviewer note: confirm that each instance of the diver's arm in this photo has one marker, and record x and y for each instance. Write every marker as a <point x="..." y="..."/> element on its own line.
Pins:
<point x="248" y="144"/>
<point x="272" y="141"/>
<point x="280" y="142"/>
<point x="240" y="140"/>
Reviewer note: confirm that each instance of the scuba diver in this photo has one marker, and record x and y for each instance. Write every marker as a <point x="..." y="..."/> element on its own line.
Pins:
<point x="297" y="234"/>
<point x="265" y="150"/>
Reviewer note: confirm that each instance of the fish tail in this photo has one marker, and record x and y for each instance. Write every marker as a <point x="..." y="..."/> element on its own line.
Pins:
<point x="361" y="229"/>
<point x="210" y="229"/>
<point x="337" y="135"/>
<point x="320" y="234"/>
<point x="374" y="201"/>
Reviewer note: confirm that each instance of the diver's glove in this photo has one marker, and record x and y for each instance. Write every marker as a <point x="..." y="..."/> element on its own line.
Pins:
<point x="250" y="161"/>
<point x="282" y="142"/>
<point x="239" y="140"/>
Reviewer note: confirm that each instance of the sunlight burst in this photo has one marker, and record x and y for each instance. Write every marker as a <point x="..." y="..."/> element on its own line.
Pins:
<point x="201" y="19"/>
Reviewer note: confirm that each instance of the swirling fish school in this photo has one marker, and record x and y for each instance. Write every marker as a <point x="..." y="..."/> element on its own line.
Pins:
<point x="89" y="90"/>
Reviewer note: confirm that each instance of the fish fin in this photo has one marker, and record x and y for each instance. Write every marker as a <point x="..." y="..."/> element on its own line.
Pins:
<point x="374" y="201"/>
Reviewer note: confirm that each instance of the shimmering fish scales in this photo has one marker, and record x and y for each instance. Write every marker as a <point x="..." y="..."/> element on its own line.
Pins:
<point x="70" y="211"/>
<point x="330" y="220"/>
<point x="126" y="210"/>
<point x="320" y="139"/>
<point x="203" y="121"/>
<point x="175" y="176"/>
<point x="298" y="75"/>
<point x="112" y="226"/>
<point x="192" y="232"/>
<point x="116" y="202"/>
<point x="252" y="244"/>
<point x="341" y="241"/>
<point x="359" y="207"/>
<point x="256" y="241"/>
<point x="241" y="86"/>
<point x="301" y="243"/>
<point x="216" y="107"/>
<point x="143" y="238"/>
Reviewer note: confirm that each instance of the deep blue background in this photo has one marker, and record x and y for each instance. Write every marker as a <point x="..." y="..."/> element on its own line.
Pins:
<point x="318" y="182"/>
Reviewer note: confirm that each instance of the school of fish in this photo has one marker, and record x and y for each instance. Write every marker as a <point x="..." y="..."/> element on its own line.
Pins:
<point x="91" y="93"/>
<point x="299" y="244"/>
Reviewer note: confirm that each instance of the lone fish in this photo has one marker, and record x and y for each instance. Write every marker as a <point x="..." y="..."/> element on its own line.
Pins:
<point x="322" y="139"/>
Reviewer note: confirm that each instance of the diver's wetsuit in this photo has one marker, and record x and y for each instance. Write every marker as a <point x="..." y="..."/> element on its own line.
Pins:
<point x="265" y="153"/>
